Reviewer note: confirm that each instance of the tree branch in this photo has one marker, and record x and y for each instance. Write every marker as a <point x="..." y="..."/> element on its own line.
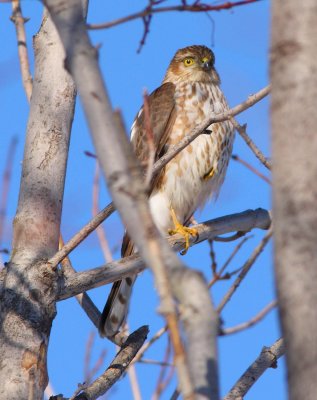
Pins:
<point x="242" y="130"/>
<point x="197" y="7"/>
<point x="118" y="366"/>
<point x="245" y="269"/>
<point x="125" y="183"/>
<point x="267" y="359"/>
<point x="111" y="272"/>
<point x="19" y="21"/>
<point x="28" y="293"/>
<point x="251" y="322"/>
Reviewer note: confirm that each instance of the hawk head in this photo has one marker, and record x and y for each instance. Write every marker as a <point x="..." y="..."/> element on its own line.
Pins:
<point x="192" y="64"/>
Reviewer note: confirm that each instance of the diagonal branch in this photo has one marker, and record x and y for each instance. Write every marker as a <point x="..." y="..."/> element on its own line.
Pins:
<point x="118" y="366"/>
<point x="245" y="269"/>
<point x="125" y="183"/>
<point x="267" y="359"/>
<point x="173" y="151"/>
<point x="116" y="270"/>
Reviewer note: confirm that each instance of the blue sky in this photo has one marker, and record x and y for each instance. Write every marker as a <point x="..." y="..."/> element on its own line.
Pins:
<point x="240" y="40"/>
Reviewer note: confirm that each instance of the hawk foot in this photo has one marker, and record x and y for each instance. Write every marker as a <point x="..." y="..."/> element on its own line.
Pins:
<point x="182" y="230"/>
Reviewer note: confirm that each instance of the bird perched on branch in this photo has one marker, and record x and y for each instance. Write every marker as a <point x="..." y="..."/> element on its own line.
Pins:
<point x="190" y="92"/>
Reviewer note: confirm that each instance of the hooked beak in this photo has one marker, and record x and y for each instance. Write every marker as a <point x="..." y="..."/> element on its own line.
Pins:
<point x="206" y="66"/>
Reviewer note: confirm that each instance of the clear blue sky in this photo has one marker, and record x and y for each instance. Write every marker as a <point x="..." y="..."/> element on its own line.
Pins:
<point x="240" y="40"/>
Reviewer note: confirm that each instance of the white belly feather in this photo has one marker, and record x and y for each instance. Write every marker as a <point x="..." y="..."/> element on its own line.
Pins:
<point x="184" y="187"/>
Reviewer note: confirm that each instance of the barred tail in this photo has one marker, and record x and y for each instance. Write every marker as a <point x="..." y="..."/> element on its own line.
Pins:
<point x="116" y="309"/>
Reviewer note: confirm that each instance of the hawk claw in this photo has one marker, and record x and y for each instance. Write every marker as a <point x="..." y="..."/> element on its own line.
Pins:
<point x="182" y="230"/>
<point x="209" y="174"/>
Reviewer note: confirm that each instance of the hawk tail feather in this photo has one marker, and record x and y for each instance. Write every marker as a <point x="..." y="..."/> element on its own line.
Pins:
<point x="116" y="309"/>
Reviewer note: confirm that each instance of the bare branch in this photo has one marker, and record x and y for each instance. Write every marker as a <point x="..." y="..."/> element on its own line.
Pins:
<point x="218" y="274"/>
<point x="19" y="21"/>
<point x="118" y="366"/>
<point x="82" y="281"/>
<point x="251" y="322"/>
<point x="245" y="269"/>
<point x="251" y="168"/>
<point x="146" y="345"/>
<point x="81" y="235"/>
<point x="126" y="185"/>
<point x="83" y="299"/>
<point x="148" y="11"/>
<point x="242" y="130"/>
<point x="95" y="208"/>
<point x="267" y="359"/>
<point x="6" y="179"/>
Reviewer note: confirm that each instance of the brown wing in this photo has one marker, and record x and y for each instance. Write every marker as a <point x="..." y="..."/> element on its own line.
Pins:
<point x="162" y="113"/>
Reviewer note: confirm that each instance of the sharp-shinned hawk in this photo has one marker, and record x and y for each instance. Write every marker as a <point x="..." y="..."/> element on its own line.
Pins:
<point x="190" y="92"/>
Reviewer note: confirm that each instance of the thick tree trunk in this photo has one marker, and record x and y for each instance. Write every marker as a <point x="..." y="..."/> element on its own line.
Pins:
<point x="27" y="295"/>
<point x="294" y="123"/>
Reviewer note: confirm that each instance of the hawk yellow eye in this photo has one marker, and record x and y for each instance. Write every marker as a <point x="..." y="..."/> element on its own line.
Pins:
<point x="188" y="61"/>
<point x="205" y="59"/>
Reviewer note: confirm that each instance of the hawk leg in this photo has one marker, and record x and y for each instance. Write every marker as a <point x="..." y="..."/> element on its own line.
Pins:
<point x="182" y="230"/>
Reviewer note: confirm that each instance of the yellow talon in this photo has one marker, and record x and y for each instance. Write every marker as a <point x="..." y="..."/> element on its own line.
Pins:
<point x="182" y="230"/>
<point x="209" y="174"/>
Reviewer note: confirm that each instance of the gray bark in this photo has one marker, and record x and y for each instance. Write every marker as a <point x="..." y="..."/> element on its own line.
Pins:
<point x="294" y="122"/>
<point x="267" y="359"/>
<point x="129" y="194"/>
<point x="28" y="288"/>
<point x="74" y="283"/>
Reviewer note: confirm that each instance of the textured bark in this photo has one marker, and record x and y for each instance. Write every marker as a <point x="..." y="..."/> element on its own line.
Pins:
<point x="267" y="359"/>
<point x="294" y="122"/>
<point x="129" y="194"/>
<point x="28" y="289"/>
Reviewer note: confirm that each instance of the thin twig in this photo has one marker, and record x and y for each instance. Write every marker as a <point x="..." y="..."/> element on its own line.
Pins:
<point x="19" y="21"/>
<point x="133" y="378"/>
<point x="118" y="366"/>
<point x="242" y="130"/>
<point x="83" y="299"/>
<point x="251" y="322"/>
<point x="155" y="362"/>
<point x="267" y="359"/>
<point x="196" y="7"/>
<point x="218" y="275"/>
<point x="6" y="179"/>
<point x="160" y="382"/>
<point x="146" y="345"/>
<point x="135" y="387"/>
<point x="246" y="268"/>
<point x="95" y="209"/>
<point x="251" y="168"/>
<point x="212" y="256"/>
<point x="81" y="235"/>
<point x="90" y="372"/>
